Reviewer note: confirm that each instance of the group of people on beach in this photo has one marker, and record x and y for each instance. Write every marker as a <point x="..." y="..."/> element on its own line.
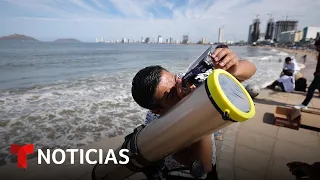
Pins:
<point x="286" y="82"/>
<point x="291" y="79"/>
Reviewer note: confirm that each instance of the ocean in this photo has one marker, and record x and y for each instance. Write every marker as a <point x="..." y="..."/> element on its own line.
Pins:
<point x="69" y="95"/>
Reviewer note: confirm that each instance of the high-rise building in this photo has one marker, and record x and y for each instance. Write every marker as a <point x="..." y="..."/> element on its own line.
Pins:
<point x="159" y="39"/>
<point x="220" y="38"/>
<point x="185" y="39"/>
<point x="298" y="36"/>
<point x="282" y="26"/>
<point x="147" y="40"/>
<point x="287" y="37"/>
<point x="142" y="40"/>
<point x="256" y="30"/>
<point x="203" y="40"/>
<point x="124" y="40"/>
<point x="310" y="33"/>
<point x="171" y="40"/>
<point x="250" y="34"/>
<point x="270" y="30"/>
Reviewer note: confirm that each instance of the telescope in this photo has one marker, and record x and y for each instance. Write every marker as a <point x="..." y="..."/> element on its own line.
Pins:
<point x="217" y="102"/>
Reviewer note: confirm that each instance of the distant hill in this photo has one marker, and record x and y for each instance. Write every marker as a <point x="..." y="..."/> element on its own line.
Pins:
<point x="68" y="40"/>
<point x="18" y="37"/>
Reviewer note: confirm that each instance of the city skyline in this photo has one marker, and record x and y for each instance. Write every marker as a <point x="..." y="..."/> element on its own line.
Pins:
<point x="115" y="19"/>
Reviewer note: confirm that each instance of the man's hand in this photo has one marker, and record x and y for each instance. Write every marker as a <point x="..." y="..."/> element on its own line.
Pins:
<point x="225" y="59"/>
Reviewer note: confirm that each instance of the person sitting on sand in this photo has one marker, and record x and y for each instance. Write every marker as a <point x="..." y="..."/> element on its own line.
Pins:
<point x="315" y="83"/>
<point x="286" y="82"/>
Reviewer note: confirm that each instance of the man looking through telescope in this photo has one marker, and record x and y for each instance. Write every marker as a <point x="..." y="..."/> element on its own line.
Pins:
<point x="157" y="90"/>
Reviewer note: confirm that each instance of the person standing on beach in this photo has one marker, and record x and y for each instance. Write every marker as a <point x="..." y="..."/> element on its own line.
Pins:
<point x="157" y="90"/>
<point x="304" y="58"/>
<point x="315" y="83"/>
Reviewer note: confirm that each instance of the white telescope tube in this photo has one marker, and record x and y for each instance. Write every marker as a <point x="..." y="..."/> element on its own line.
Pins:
<point x="217" y="103"/>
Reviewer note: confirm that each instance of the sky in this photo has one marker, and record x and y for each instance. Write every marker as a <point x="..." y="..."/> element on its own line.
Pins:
<point x="47" y="20"/>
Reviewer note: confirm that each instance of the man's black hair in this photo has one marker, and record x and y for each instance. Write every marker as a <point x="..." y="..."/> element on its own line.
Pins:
<point x="288" y="72"/>
<point x="288" y="59"/>
<point x="144" y="86"/>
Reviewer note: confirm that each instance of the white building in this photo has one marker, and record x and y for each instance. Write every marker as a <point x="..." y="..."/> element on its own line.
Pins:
<point x="229" y="42"/>
<point x="171" y="40"/>
<point x="310" y="33"/>
<point x="298" y="36"/>
<point x="220" y="39"/>
<point x="203" y="41"/>
<point x="99" y="40"/>
<point x="159" y="39"/>
<point x="287" y="37"/>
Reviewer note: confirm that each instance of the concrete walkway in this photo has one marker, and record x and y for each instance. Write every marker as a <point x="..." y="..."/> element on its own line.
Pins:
<point x="258" y="150"/>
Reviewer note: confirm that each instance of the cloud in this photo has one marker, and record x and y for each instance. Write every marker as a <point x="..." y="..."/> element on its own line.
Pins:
<point x="114" y="19"/>
<point x="131" y="8"/>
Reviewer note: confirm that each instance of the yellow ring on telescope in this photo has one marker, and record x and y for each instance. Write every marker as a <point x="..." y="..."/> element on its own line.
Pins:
<point x="223" y="102"/>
